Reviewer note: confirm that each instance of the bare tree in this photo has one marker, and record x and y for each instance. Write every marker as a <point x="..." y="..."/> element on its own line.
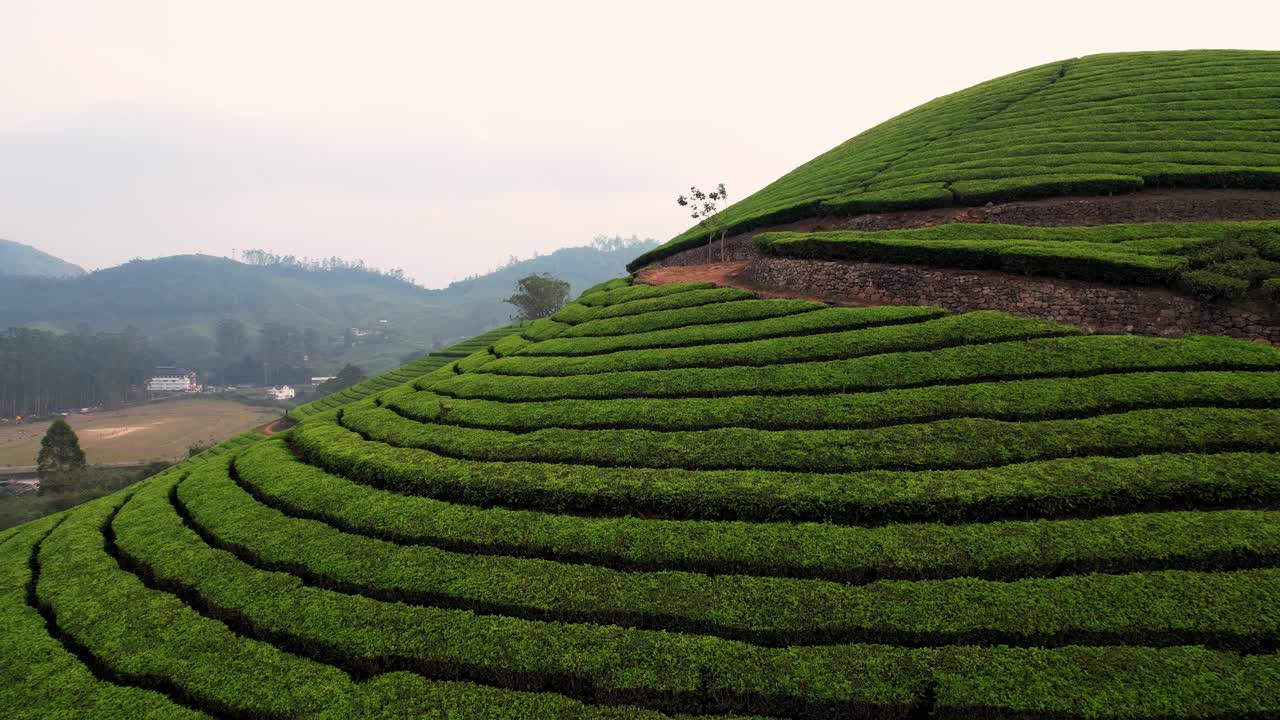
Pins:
<point x="705" y="208"/>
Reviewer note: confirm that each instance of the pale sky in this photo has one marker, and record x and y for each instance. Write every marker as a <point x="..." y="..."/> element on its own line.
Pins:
<point x="442" y="137"/>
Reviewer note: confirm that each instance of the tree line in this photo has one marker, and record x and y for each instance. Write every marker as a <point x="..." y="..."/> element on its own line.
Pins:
<point x="263" y="258"/>
<point x="42" y="372"/>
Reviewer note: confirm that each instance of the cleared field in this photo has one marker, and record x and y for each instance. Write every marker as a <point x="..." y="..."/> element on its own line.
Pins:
<point x="781" y="511"/>
<point x="1091" y="125"/>
<point x="157" y="431"/>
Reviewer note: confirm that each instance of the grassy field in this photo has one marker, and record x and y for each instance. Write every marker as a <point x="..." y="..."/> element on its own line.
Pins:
<point x="1092" y="125"/>
<point x="157" y="431"/>
<point x="673" y="501"/>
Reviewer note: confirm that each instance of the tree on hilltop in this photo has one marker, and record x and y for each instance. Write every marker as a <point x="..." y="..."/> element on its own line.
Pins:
<point x="538" y="296"/>
<point x="705" y="208"/>
<point x="60" y="454"/>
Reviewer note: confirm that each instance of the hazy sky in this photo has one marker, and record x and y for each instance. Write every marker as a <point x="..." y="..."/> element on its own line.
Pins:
<point x="442" y="137"/>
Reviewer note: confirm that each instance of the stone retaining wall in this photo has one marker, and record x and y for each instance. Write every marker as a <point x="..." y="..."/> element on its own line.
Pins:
<point x="1095" y="307"/>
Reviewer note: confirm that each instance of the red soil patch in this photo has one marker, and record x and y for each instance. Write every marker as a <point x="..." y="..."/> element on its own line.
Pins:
<point x="275" y="426"/>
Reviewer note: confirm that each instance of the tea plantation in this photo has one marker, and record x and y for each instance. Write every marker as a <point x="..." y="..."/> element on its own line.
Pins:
<point x="683" y="501"/>
<point x="1212" y="260"/>
<point x="1096" y="124"/>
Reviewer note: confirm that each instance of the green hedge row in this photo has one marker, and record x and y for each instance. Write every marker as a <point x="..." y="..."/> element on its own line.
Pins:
<point x="998" y="551"/>
<point x="543" y="329"/>
<point x="677" y="671"/>
<point x="157" y="639"/>
<point x="416" y="369"/>
<point x="575" y="314"/>
<point x="1155" y="608"/>
<point x="1070" y="486"/>
<point x="638" y="292"/>
<point x="1048" y="357"/>
<point x="39" y="676"/>
<point x="608" y="664"/>
<point x="968" y="329"/>
<point x="613" y="284"/>
<point x="737" y="311"/>
<point x="1051" y="129"/>
<point x="807" y="323"/>
<point x="942" y="445"/>
<point x="1022" y="257"/>
<point x="1218" y="260"/>
<point x="1009" y="400"/>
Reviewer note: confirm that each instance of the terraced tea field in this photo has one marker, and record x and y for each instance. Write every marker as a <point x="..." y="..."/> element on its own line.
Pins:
<point x="686" y="501"/>
<point x="1218" y="260"/>
<point x="1092" y="125"/>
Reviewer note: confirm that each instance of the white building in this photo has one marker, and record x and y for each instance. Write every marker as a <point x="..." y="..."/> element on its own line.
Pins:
<point x="282" y="393"/>
<point x="319" y="380"/>
<point x="172" y="379"/>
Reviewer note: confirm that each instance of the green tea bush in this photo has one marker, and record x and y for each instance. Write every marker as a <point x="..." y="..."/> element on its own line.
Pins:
<point x="1100" y="124"/>
<point x="706" y="506"/>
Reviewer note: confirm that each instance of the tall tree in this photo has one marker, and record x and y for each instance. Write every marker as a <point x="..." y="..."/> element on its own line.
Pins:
<point x="41" y="372"/>
<point x="349" y="375"/>
<point x="60" y="452"/>
<point x="281" y="347"/>
<point x="230" y="340"/>
<point x="538" y="296"/>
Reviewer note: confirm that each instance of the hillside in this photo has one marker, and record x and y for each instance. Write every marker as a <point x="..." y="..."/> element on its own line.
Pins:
<point x="178" y="301"/>
<point x="871" y="512"/>
<point x="1093" y="125"/>
<point x="688" y="500"/>
<point x="19" y="259"/>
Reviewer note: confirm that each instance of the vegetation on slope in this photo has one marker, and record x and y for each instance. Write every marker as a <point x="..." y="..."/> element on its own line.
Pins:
<point x="1213" y="260"/>
<point x="708" y="505"/>
<point x="177" y="302"/>
<point x="1091" y="125"/>
<point x="19" y="259"/>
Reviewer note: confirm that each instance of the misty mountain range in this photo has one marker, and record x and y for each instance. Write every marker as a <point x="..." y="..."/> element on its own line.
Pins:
<point x="177" y="301"/>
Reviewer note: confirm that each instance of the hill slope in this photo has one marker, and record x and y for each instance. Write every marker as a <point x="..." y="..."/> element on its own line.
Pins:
<point x="682" y="499"/>
<point x="178" y="301"/>
<point x="19" y="259"/>
<point x="1097" y="124"/>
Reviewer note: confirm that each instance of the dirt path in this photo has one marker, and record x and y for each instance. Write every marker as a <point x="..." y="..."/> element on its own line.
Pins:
<point x="275" y="426"/>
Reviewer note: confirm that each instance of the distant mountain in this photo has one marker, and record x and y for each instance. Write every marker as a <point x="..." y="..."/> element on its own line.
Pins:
<point x="19" y="259"/>
<point x="581" y="267"/>
<point x="178" y="301"/>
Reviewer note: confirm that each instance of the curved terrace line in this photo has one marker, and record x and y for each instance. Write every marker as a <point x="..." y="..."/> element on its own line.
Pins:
<point x="362" y="668"/>
<point x="658" y="425"/>
<point x="1185" y="499"/>
<point x="1208" y="447"/>
<point x="99" y="668"/>
<point x="1226" y="561"/>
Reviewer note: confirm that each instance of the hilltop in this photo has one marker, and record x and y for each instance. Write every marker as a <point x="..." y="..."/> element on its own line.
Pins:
<point x="19" y="259"/>
<point x="1096" y="125"/>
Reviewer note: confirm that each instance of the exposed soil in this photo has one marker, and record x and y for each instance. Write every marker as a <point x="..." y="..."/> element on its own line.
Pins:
<point x="729" y="274"/>
<point x="275" y="426"/>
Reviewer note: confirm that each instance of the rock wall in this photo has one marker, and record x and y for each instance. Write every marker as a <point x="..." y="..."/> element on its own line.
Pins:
<point x="1095" y="307"/>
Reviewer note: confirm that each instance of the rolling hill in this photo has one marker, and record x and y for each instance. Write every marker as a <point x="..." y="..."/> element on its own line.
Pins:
<point x="19" y="259"/>
<point x="691" y="501"/>
<point x="1092" y="125"/>
<point x="177" y="301"/>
